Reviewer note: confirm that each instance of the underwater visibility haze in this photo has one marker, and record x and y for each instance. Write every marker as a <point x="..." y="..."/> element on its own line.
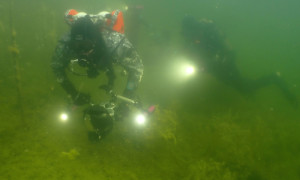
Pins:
<point x="223" y="76"/>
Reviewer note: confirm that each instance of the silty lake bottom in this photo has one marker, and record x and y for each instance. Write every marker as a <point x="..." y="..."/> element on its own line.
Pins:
<point x="202" y="128"/>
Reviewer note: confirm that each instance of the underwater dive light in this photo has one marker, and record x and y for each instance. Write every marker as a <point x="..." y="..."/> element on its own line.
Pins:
<point x="189" y="70"/>
<point x="183" y="69"/>
<point x="140" y="119"/>
<point x="63" y="117"/>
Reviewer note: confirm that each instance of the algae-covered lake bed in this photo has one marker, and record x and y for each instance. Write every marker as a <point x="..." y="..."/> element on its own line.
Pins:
<point x="202" y="127"/>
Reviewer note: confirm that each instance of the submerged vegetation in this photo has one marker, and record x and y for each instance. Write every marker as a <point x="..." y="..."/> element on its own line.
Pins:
<point x="209" y="170"/>
<point x="199" y="130"/>
<point x="163" y="126"/>
<point x="72" y="154"/>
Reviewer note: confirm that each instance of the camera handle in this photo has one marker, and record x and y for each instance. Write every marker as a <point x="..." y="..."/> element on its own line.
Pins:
<point x="122" y="98"/>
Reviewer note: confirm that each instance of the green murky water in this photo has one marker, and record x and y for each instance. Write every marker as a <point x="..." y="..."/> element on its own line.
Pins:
<point x="202" y="129"/>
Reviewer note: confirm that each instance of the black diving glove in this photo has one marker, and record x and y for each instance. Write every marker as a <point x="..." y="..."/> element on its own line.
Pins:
<point x="81" y="99"/>
<point x="122" y="111"/>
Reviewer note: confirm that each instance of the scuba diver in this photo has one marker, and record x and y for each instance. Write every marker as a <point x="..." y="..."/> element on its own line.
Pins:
<point x="204" y="41"/>
<point x="96" y="43"/>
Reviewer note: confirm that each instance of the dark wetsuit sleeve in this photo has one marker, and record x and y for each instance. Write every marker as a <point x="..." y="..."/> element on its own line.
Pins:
<point x="131" y="61"/>
<point x="60" y="62"/>
<point x="124" y="54"/>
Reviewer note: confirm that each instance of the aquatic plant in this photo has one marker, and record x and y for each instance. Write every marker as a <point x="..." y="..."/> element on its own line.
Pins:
<point x="163" y="125"/>
<point x="14" y="50"/>
<point x="72" y="154"/>
<point x="209" y="170"/>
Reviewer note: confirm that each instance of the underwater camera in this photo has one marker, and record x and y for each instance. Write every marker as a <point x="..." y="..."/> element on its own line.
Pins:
<point x="100" y="120"/>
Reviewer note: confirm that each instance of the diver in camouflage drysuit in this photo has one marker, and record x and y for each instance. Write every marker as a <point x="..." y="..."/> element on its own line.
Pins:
<point x="96" y="47"/>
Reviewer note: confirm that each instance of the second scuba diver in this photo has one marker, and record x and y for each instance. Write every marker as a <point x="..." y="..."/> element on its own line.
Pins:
<point x="207" y="43"/>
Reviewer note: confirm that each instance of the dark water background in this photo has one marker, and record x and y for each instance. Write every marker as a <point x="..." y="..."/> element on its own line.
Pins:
<point x="203" y="129"/>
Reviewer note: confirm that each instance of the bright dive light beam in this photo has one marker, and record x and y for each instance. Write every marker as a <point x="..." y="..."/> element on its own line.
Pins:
<point x="64" y="117"/>
<point x="189" y="70"/>
<point x="140" y="119"/>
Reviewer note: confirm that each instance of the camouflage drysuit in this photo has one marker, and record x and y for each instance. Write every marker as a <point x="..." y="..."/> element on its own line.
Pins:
<point x="119" y="50"/>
